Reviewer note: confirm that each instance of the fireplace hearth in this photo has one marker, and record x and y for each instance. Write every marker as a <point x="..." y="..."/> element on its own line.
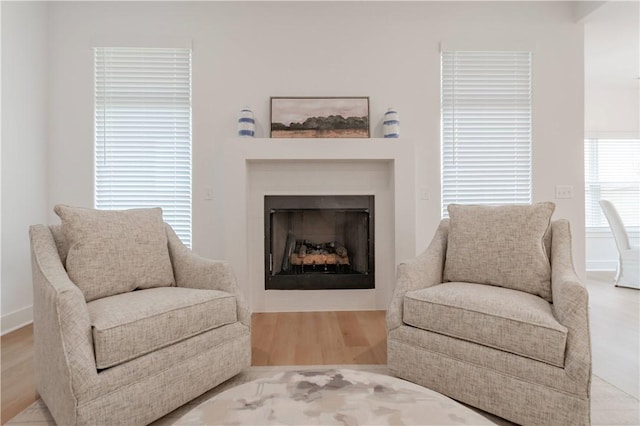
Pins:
<point x="319" y="242"/>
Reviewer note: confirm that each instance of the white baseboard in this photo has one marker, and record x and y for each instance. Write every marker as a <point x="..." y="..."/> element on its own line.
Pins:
<point x="17" y="319"/>
<point x="602" y="265"/>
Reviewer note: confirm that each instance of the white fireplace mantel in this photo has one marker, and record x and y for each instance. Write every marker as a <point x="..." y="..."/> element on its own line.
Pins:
<point x="257" y="167"/>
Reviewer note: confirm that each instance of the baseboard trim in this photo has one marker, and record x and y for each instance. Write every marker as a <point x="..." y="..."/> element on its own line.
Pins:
<point x="602" y="265"/>
<point x="16" y="319"/>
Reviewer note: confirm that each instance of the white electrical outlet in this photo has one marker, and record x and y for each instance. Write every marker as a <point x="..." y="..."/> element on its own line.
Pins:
<point x="564" y="191"/>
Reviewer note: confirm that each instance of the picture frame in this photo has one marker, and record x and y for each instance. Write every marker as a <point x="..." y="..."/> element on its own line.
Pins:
<point x="320" y="117"/>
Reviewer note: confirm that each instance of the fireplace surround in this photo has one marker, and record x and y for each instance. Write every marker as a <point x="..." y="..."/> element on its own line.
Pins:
<point x="253" y="168"/>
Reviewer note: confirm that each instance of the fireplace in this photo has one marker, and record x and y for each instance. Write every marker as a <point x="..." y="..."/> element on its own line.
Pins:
<point x="319" y="242"/>
<point x="254" y="168"/>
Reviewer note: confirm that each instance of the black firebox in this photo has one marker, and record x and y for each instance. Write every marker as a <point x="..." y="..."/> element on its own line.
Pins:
<point x="319" y="242"/>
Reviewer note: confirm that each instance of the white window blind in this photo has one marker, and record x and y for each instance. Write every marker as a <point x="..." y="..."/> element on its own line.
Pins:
<point x="612" y="172"/>
<point x="143" y="132"/>
<point x="486" y="128"/>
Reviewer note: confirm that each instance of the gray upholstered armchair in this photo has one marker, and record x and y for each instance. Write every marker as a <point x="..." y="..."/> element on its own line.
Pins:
<point x="133" y="355"/>
<point x="520" y="353"/>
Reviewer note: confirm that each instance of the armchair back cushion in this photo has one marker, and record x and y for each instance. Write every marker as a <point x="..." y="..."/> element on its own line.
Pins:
<point x="113" y="252"/>
<point x="501" y="246"/>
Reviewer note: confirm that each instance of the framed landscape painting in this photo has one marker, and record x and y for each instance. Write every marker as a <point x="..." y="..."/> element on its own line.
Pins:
<point x="332" y="117"/>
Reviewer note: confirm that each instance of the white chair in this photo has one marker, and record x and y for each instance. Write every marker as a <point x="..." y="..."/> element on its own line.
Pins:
<point x="628" y="274"/>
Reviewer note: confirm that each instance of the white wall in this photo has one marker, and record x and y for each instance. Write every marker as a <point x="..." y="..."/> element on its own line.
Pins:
<point x="24" y="148"/>
<point x="245" y="52"/>
<point x="612" y="111"/>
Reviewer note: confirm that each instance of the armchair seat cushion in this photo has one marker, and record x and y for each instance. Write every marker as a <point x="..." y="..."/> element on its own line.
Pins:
<point x="509" y="320"/>
<point x="129" y="325"/>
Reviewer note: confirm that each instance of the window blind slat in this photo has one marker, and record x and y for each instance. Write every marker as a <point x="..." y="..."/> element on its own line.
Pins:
<point x="486" y="128"/>
<point x="612" y="172"/>
<point x="143" y="132"/>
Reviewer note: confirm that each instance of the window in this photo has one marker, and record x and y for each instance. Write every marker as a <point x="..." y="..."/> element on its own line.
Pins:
<point x="143" y="132"/>
<point x="486" y="128"/>
<point x="612" y="172"/>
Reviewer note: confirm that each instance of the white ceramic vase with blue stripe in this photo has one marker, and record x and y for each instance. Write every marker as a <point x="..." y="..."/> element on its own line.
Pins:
<point x="391" y="124"/>
<point x="246" y="123"/>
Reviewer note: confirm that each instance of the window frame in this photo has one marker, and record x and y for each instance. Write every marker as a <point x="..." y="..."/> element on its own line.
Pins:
<point x="455" y="121"/>
<point x="143" y="132"/>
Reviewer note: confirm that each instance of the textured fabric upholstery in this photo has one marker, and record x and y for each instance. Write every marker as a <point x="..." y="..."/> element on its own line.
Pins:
<point x="571" y="305"/>
<point x="525" y="402"/>
<point x="138" y="391"/>
<point x="197" y="272"/>
<point x="495" y="348"/>
<point x="128" y="325"/>
<point x="501" y="318"/>
<point x="113" y="252"/>
<point x="501" y="245"/>
<point x="168" y="385"/>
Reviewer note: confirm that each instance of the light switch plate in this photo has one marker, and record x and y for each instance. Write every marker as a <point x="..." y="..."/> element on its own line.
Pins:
<point x="564" y="191"/>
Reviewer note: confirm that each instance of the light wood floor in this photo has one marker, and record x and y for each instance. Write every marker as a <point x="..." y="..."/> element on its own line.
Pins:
<point x="359" y="338"/>
<point x="18" y="386"/>
<point x="291" y="338"/>
<point x="321" y="338"/>
<point x="614" y="314"/>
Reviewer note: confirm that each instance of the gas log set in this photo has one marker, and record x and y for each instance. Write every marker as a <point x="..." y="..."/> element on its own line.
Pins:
<point x="309" y="257"/>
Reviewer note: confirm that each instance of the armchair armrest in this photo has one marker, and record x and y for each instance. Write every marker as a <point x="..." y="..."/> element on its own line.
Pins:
<point x="193" y="271"/>
<point x="64" y="357"/>
<point x="422" y="271"/>
<point x="570" y="304"/>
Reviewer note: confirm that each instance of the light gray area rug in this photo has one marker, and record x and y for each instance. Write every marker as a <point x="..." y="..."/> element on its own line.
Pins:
<point x="338" y="397"/>
<point x="609" y="405"/>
